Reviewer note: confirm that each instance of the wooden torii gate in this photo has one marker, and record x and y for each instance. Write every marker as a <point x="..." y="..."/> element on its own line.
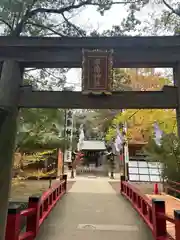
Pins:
<point x="19" y="53"/>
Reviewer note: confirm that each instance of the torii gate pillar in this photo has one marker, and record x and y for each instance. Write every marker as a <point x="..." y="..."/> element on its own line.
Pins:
<point x="11" y="79"/>
<point x="176" y="74"/>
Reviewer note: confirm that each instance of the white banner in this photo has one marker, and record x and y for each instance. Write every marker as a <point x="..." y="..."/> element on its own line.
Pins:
<point x="126" y="147"/>
<point x="126" y="153"/>
<point x="68" y="156"/>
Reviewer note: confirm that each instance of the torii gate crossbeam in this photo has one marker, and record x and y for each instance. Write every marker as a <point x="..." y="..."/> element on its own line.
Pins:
<point x="18" y="53"/>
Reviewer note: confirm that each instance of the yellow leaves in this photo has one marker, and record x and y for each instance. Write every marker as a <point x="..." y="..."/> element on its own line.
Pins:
<point x="110" y="134"/>
<point x="139" y="79"/>
<point x="38" y="156"/>
<point x="143" y="80"/>
<point x="40" y="173"/>
<point x="140" y="123"/>
<point x="17" y="181"/>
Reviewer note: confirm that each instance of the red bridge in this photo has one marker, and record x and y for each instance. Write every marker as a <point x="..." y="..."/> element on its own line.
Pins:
<point x="92" y="209"/>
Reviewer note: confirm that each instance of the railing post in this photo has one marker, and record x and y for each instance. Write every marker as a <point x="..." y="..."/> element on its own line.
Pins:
<point x="121" y="184"/>
<point x="164" y="186"/>
<point x="13" y="222"/>
<point x="127" y="171"/>
<point x="177" y="224"/>
<point x="65" y="185"/>
<point x="144" y="207"/>
<point x="33" y="220"/>
<point x="159" y="223"/>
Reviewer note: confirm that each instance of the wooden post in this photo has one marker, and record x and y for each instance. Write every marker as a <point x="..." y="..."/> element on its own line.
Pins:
<point x="121" y="183"/>
<point x="123" y="159"/>
<point x="33" y="220"/>
<point x="177" y="224"/>
<point x="176" y="74"/>
<point x="159" y="223"/>
<point x="13" y="222"/>
<point x="1" y="65"/>
<point x="144" y="207"/>
<point x="65" y="143"/>
<point x="11" y="79"/>
<point x="65" y="185"/>
<point x="164" y="183"/>
<point x="127" y="171"/>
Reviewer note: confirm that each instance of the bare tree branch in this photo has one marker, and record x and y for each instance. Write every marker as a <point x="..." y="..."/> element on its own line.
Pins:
<point x="19" y="27"/>
<point x="46" y="27"/>
<point x="71" y="7"/>
<point x="167" y="19"/>
<point x="30" y="13"/>
<point x="171" y="8"/>
<point x="74" y="26"/>
<point x="6" y="23"/>
<point x="13" y="20"/>
<point x="52" y="75"/>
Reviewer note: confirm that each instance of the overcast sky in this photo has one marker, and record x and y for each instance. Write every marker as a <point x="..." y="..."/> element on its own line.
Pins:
<point x="90" y="19"/>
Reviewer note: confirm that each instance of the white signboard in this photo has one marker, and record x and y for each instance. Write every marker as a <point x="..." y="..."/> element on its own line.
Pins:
<point x="68" y="156"/>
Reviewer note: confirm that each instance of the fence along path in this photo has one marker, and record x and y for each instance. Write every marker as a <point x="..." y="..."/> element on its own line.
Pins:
<point x="39" y="208"/>
<point x="160" y="212"/>
<point x="93" y="210"/>
<point x="171" y="204"/>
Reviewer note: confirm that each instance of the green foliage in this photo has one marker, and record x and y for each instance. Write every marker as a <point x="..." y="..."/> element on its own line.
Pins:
<point x="89" y="119"/>
<point x="166" y="21"/>
<point x="121" y="80"/>
<point x="40" y="128"/>
<point x="46" y="79"/>
<point x="168" y="153"/>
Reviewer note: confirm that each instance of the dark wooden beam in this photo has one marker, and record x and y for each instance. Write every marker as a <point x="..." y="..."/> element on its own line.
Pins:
<point x="67" y="52"/>
<point x="72" y="58"/>
<point x="91" y="42"/>
<point x="118" y="100"/>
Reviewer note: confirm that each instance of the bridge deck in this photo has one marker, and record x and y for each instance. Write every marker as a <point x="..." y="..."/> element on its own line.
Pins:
<point x="93" y="210"/>
<point x="171" y="204"/>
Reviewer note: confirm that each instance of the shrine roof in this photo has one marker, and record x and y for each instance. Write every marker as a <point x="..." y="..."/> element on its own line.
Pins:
<point x="93" y="145"/>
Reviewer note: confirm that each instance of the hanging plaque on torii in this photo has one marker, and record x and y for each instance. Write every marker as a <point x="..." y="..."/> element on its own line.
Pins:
<point x="97" y="72"/>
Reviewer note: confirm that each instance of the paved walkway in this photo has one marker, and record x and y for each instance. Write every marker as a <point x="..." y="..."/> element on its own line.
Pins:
<point x="92" y="210"/>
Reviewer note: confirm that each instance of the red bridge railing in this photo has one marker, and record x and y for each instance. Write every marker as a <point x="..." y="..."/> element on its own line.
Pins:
<point x="152" y="212"/>
<point x="39" y="207"/>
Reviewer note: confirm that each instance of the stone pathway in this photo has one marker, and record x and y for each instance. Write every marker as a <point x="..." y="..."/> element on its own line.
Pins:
<point x="92" y="210"/>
